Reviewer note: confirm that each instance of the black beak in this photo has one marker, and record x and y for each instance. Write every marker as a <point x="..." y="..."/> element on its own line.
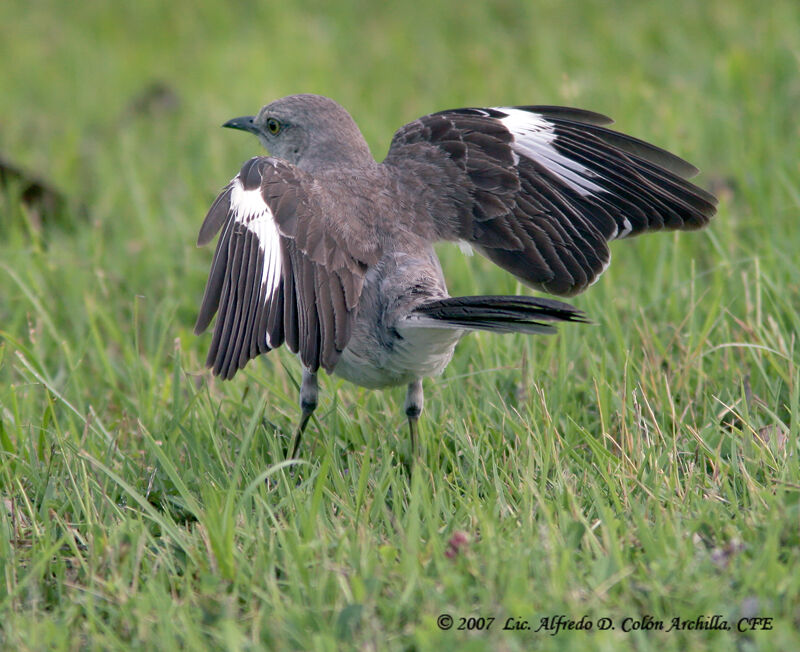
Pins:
<point x="245" y="123"/>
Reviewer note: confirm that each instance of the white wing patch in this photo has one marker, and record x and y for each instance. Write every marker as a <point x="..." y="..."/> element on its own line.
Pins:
<point x="466" y="247"/>
<point x="533" y="137"/>
<point x="251" y="211"/>
<point x="627" y="228"/>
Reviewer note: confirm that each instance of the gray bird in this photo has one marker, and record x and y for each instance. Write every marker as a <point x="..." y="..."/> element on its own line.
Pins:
<point x="331" y="253"/>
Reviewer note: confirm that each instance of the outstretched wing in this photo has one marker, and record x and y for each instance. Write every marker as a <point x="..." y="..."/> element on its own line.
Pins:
<point x="278" y="274"/>
<point x="541" y="190"/>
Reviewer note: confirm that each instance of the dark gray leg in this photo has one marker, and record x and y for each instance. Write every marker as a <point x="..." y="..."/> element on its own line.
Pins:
<point x="309" y="393"/>
<point x="413" y="406"/>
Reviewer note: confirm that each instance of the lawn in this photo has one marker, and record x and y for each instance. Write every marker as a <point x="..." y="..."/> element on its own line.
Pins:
<point x="641" y="470"/>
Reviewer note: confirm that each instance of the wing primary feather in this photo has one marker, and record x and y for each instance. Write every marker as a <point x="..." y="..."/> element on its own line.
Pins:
<point x="215" y="217"/>
<point x="227" y="312"/>
<point x="232" y="318"/>
<point x="274" y="325"/>
<point x="216" y="279"/>
<point x="309" y="322"/>
<point x="568" y="113"/>
<point x="258" y="339"/>
<point x="291" y="320"/>
<point x="658" y="198"/>
<point x="327" y="320"/>
<point x="639" y="148"/>
<point x="340" y="312"/>
<point x="251" y="303"/>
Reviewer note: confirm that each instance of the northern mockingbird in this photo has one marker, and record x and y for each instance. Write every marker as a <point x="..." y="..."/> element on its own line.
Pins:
<point x="331" y="253"/>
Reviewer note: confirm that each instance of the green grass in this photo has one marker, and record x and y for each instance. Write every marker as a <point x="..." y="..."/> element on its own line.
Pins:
<point x="616" y="470"/>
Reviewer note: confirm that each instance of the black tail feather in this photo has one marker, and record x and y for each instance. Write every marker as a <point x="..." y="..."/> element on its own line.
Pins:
<point x="500" y="314"/>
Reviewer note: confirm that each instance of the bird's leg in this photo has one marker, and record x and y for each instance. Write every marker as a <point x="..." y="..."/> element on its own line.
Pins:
<point x="309" y="392"/>
<point x="413" y="407"/>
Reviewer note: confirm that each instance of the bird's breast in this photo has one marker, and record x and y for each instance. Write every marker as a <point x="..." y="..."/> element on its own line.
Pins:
<point x="382" y="352"/>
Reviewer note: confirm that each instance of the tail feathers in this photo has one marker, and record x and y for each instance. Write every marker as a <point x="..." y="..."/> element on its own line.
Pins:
<point x="498" y="314"/>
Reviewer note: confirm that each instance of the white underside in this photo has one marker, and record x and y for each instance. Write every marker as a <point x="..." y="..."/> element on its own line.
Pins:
<point x="421" y="352"/>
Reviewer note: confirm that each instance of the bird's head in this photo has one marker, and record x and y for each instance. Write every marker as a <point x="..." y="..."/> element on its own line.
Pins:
<point x="310" y="131"/>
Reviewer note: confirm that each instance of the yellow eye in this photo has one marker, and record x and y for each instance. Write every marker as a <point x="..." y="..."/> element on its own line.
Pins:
<point x="274" y="126"/>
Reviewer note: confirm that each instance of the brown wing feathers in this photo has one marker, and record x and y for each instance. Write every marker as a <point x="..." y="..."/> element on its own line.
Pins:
<point x="548" y="187"/>
<point x="277" y="274"/>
